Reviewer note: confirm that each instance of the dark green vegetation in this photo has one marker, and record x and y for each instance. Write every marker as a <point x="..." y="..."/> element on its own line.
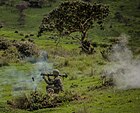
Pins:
<point x="72" y="17"/>
<point x="84" y="70"/>
<point x="37" y="100"/>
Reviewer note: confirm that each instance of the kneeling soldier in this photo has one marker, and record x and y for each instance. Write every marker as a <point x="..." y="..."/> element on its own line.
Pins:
<point x="55" y="84"/>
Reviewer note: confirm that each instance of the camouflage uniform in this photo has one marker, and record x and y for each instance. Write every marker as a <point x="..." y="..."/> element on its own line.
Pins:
<point x="54" y="85"/>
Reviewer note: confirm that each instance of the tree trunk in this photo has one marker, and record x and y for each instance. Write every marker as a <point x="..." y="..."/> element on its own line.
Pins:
<point x="85" y="44"/>
<point x="83" y="36"/>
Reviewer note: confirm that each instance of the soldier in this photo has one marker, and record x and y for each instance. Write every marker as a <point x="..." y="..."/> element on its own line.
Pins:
<point x="55" y="84"/>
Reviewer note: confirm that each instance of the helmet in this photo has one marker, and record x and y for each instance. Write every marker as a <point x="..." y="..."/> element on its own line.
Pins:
<point x="55" y="72"/>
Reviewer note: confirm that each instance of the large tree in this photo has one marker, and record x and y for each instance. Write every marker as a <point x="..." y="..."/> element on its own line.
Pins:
<point x="74" y="16"/>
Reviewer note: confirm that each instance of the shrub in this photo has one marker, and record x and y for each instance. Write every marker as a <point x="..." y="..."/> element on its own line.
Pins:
<point x="13" y="51"/>
<point x="4" y="44"/>
<point x="11" y="54"/>
<point x="36" y="100"/>
<point x="26" y="49"/>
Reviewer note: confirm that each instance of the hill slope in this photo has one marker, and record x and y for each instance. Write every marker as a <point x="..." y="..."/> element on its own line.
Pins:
<point x="84" y="70"/>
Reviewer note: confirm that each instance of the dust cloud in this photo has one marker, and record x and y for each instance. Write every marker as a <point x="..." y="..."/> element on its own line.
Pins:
<point x="124" y="69"/>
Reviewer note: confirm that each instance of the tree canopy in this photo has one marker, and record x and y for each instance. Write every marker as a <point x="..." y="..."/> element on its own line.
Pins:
<point x="74" y="16"/>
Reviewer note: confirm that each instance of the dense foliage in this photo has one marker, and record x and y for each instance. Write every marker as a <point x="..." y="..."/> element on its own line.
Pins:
<point x="36" y="100"/>
<point x="74" y="16"/>
<point x="24" y="48"/>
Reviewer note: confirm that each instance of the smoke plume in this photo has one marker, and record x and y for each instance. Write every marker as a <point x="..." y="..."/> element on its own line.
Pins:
<point x="123" y="68"/>
<point x="22" y="80"/>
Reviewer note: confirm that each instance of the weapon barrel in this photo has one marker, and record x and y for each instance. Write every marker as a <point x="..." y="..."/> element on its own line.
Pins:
<point x="44" y="74"/>
<point x="61" y="75"/>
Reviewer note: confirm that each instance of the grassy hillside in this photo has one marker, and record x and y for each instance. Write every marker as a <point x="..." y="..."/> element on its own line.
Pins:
<point x="123" y="18"/>
<point x="84" y="71"/>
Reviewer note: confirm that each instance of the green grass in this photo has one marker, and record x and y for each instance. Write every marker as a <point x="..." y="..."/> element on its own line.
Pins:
<point x="83" y="70"/>
<point x="101" y="100"/>
<point x="104" y="100"/>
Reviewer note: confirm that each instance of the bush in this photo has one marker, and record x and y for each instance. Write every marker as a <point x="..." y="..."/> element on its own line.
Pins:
<point x="4" y="44"/>
<point x="36" y="100"/>
<point x="13" y="51"/>
<point x="11" y="54"/>
<point x="26" y="49"/>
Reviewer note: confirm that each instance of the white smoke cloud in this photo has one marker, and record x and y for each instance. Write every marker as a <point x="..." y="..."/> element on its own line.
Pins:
<point x="23" y="81"/>
<point x="123" y="68"/>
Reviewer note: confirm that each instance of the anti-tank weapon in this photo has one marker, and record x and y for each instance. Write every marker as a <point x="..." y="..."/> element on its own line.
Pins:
<point x="50" y="74"/>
